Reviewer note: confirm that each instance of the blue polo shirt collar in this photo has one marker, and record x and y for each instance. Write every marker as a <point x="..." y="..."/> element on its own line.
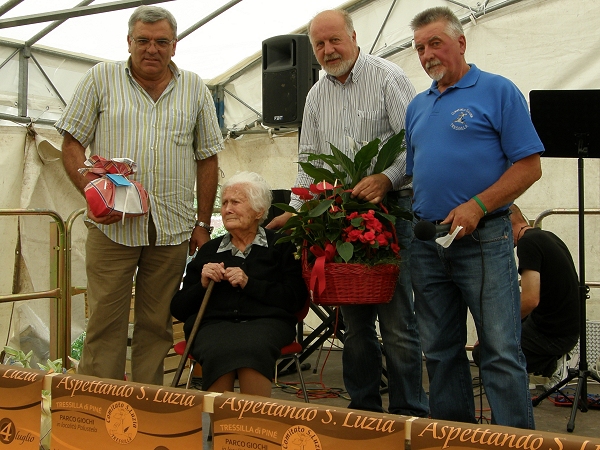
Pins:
<point x="468" y="80"/>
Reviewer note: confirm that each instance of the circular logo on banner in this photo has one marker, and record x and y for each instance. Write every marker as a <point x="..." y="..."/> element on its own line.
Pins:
<point x="300" y="437"/>
<point x="121" y="422"/>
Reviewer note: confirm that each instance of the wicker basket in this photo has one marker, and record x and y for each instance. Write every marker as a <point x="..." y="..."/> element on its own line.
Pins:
<point x="354" y="284"/>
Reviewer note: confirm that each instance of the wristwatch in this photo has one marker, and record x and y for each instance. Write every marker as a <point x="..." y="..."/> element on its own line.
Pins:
<point x="206" y="226"/>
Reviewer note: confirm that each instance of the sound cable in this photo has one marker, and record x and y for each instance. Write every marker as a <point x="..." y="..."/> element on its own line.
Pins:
<point x="321" y="391"/>
<point x="481" y="417"/>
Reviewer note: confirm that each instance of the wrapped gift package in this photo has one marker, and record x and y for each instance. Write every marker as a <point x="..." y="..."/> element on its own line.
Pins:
<point x="109" y="188"/>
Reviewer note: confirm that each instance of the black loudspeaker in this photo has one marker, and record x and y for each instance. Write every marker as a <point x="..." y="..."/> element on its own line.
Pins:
<point x="289" y="69"/>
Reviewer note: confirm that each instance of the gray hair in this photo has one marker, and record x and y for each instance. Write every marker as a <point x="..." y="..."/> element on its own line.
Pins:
<point x="347" y="20"/>
<point x="256" y="188"/>
<point x="453" y="26"/>
<point x="151" y="14"/>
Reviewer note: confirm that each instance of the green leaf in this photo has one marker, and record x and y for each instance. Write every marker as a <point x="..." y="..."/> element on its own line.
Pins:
<point x="389" y="152"/>
<point x="388" y="217"/>
<point x="362" y="160"/>
<point x="11" y="351"/>
<point x="285" y="207"/>
<point x="292" y="222"/>
<point x="286" y="238"/>
<point x="346" y="163"/>
<point x="337" y="216"/>
<point x="321" y="208"/>
<point x="354" y="205"/>
<point x="310" y="204"/>
<point x="19" y="357"/>
<point x="318" y="227"/>
<point x="357" y="222"/>
<point x="327" y="159"/>
<point x="56" y="365"/>
<point x="331" y="161"/>
<point x="345" y="250"/>
<point x="318" y="173"/>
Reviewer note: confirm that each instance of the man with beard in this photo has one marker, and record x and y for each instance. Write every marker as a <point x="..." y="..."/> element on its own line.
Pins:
<point x="472" y="149"/>
<point x="362" y="98"/>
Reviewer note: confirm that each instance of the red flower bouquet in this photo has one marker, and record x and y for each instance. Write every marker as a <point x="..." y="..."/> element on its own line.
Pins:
<point x="335" y="232"/>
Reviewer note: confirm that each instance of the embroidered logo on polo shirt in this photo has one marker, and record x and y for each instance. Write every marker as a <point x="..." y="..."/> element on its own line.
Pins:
<point x="460" y="122"/>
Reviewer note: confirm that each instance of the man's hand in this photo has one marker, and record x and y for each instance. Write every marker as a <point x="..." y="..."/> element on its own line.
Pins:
<point x="467" y="216"/>
<point x="372" y="188"/>
<point x="200" y="236"/>
<point x="109" y="219"/>
<point x="279" y="221"/>
<point x="516" y="180"/>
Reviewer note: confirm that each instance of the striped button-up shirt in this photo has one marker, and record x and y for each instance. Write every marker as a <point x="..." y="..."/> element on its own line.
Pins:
<point x="113" y="115"/>
<point x="370" y="104"/>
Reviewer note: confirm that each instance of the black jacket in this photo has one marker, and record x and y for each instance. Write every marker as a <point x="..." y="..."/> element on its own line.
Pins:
<point x="275" y="286"/>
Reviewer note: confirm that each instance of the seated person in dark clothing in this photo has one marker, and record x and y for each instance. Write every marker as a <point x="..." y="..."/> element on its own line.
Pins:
<point x="258" y="289"/>
<point x="549" y="298"/>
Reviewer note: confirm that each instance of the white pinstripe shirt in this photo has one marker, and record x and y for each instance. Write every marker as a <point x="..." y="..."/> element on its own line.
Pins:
<point x="370" y="104"/>
<point x="113" y="115"/>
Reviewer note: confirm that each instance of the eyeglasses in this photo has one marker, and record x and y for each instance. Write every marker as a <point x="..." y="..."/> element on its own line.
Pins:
<point x="144" y="44"/>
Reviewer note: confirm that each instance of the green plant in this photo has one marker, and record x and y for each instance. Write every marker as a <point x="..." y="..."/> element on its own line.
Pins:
<point x="334" y="225"/>
<point x="77" y="347"/>
<point x="18" y="357"/>
<point x="55" y="366"/>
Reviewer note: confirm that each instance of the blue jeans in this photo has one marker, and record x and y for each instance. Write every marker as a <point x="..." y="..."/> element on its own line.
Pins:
<point x="478" y="273"/>
<point x="362" y="356"/>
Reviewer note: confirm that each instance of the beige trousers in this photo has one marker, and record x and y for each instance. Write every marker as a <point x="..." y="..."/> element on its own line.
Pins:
<point x="111" y="270"/>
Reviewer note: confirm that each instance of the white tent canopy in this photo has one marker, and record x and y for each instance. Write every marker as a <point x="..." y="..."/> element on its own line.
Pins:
<point x="538" y="44"/>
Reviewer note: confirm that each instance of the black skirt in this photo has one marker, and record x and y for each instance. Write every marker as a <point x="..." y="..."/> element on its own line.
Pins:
<point x="222" y="346"/>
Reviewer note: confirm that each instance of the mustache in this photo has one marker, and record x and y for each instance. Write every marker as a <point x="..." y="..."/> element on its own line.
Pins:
<point x="432" y="63"/>
<point x="332" y="56"/>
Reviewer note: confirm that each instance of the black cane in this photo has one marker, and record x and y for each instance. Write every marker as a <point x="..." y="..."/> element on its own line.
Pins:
<point x="193" y="333"/>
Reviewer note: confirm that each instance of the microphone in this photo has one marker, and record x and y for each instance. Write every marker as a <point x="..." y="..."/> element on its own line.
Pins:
<point x="426" y="231"/>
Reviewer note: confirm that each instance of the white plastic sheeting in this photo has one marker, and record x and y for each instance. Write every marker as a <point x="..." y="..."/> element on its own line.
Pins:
<point x="42" y="99"/>
<point x="549" y="44"/>
<point x="539" y="44"/>
<point x="36" y="180"/>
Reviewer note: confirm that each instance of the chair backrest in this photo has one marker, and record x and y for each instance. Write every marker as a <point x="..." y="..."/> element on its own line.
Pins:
<point x="279" y="196"/>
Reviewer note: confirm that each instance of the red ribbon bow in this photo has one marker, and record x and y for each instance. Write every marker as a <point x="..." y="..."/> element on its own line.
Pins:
<point x="317" y="276"/>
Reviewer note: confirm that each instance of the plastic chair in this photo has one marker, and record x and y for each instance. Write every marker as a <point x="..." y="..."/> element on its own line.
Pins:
<point x="179" y="348"/>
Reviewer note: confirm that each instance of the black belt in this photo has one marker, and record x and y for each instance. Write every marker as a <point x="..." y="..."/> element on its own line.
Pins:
<point x="408" y="192"/>
<point x="483" y="220"/>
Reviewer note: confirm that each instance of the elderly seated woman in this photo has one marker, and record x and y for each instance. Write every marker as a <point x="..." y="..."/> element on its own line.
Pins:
<point x="258" y="289"/>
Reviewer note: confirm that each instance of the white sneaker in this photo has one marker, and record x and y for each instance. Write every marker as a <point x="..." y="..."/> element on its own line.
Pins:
<point x="561" y="372"/>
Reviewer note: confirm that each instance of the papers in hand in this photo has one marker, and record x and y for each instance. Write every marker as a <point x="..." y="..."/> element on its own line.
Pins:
<point x="445" y="241"/>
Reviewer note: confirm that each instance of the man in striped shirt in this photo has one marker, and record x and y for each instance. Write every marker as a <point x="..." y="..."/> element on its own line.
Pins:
<point x="365" y="97"/>
<point x="164" y="119"/>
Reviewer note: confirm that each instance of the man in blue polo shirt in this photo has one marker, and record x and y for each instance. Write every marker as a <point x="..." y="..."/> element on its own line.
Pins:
<point x="472" y="150"/>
